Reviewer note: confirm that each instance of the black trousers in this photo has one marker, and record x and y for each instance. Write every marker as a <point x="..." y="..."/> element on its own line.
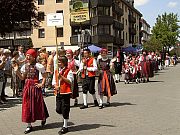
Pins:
<point x="63" y="105"/>
<point x="88" y="84"/>
<point x="4" y="87"/>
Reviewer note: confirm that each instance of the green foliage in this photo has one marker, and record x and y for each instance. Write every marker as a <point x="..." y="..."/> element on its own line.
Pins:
<point x="166" y="29"/>
<point x="153" y="45"/>
<point x="14" y="13"/>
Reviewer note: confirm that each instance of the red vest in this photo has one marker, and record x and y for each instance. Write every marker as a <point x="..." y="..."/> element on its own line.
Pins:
<point x="88" y="63"/>
<point x="65" y="88"/>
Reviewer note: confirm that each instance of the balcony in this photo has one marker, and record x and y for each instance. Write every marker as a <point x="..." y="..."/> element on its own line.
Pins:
<point x="80" y="24"/>
<point x="117" y="9"/>
<point x="96" y="3"/>
<point x="74" y="40"/>
<point x="118" y="25"/>
<point x="132" y="19"/>
<point x="132" y="31"/>
<point x="118" y="41"/>
<point x="102" y="39"/>
<point x="23" y="26"/>
<point x="102" y="20"/>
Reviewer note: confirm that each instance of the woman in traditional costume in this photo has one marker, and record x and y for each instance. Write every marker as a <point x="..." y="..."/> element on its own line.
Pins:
<point x="33" y="105"/>
<point x="106" y="85"/>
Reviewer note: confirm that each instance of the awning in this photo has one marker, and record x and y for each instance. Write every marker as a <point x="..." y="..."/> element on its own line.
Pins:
<point x="51" y="48"/>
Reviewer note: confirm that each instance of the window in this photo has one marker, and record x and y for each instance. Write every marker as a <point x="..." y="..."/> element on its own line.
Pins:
<point x="40" y="2"/>
<point x="94" y="12"/>
<point x="103" y="11"/>
<point x="103" y="29"/>
<point x="59" y="11"/>
<point x="41" y="33"/>
<point x="41" y="16"/>
<point x="95" y="30"/>
<point x="60" y="32"/>
<point x="59" y="1"/>
<point x="126" y="36"/>
<point x="126" y="21"/>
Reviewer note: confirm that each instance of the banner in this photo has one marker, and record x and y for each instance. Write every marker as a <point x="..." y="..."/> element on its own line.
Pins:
<point x="79" y="12"/>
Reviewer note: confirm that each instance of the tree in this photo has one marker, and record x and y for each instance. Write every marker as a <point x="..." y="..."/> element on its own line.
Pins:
<point x="166" y="29"/>
<point x="153" y="45"/>
<point x="17" y="14"/>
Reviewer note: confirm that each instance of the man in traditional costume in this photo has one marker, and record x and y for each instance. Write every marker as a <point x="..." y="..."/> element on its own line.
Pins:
<point x="88" y="68"/>
<point x="62" y="84"/>
<point x="73" y="65"/>
<point x="106" y="85"/>
<point x="33" y="105"/>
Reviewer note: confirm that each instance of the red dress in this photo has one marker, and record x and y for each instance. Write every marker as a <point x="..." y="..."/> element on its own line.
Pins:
<point x="33" y="105"/>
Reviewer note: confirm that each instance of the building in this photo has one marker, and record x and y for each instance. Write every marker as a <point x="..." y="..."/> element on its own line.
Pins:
<point x="145" y="31"/>
<point x="21" y="35"/>
<point x="113" y="24"/>
<point x="45" y="36"/>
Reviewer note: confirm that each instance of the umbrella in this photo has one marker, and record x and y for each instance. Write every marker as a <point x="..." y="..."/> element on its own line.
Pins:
<point x="129" y="49"/>
<point x="93" y="48"/>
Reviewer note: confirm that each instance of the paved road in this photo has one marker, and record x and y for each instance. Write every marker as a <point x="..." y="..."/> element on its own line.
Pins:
<point x="143" y="109"/>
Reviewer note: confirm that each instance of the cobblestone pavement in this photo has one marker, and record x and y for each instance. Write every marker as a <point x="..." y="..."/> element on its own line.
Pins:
<point x="137" y="109"/>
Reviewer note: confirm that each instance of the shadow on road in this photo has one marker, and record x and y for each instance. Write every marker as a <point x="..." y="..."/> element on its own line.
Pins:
<point x="156" y="81"/>
<point x="116" y="104"/>
<point x="87" y="127"/>
<point x="10" y="103"/>
<point x="50" y="126"/>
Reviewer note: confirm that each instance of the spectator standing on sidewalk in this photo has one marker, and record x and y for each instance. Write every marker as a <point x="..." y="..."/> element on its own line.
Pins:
<point x="21" y="60"/>
<point x="50" y="69"/>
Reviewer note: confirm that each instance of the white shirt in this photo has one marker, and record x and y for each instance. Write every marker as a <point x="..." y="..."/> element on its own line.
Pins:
<point x="38" y="66"/>
<point x="93" y="69"/>
<point x="70" y="77"/>
<point x="21" y="58"/>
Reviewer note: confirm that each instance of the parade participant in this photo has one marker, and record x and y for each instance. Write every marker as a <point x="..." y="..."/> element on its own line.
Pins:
<point x="118" y="66"/>
<point x="126" y="69"/>
<point x="33" y="105"/>
<point x="88" y="68"/>
<point x="106" y="85"/>
<point x="167" y="60"/>
<point x="62" y="85"/>
<point x="73" y="65"/>
<point x="145" y="67"/>
<point x="43" y="54"/>
<point x="50" y="69"/>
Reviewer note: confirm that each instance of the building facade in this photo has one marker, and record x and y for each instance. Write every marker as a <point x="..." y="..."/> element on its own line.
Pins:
<point x="145" y="31"/>
<point x="113" y="24"/>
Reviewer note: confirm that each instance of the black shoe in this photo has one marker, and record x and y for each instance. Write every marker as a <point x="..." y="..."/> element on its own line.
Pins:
<point x="147" y="80"/>
<point x="76" y="102"/>
<point x="96" y="103"/>
<point x="101" y="107"/>
<point x="84" y="107"/>
<point x="108" y="104"/>
<point x="63" y="131"/>
<point x="43" y="122"/>
<point x="28" y="130"/>
<point x="119" y="80"/>
<point x="116" y="81"/>
<point x="4" y="99"/>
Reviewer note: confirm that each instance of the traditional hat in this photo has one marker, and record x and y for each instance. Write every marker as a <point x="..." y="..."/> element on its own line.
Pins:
<point x="69" y="51"/>
<point x="32" y="52"/>
<point x="104" y="50"/>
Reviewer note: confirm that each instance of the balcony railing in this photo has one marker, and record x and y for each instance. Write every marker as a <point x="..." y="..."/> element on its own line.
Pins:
<point x="105" y="38"/>
<point x="132" y="19"/>
<point x="102" y="20"/>
<point x="104" y="3"/>
<point x="118" y="41"/>
<point x="117" y="9"/>
<point x="118" y="25"/>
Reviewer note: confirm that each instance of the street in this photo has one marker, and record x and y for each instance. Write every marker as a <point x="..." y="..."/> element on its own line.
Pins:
<point x="138" y="109"/>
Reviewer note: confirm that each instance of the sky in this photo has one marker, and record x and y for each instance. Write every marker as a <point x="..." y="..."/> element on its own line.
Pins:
<point x="152" y="8"/>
